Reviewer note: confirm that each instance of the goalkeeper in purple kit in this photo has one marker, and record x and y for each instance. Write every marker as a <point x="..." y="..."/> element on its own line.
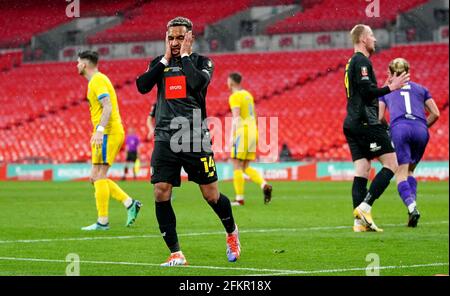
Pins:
<point x="409" y="126"/>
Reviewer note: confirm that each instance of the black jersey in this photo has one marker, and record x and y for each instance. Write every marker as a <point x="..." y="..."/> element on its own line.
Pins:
<point x="182" y="87"/>
<point x="362" y="92"/>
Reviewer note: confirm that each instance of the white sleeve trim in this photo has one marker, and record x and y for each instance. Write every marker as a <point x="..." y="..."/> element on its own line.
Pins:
<point x="164" y="61"/>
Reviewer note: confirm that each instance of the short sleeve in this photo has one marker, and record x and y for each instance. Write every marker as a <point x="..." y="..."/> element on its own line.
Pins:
<point x="99" y="87"/>
<point x="235" y="101"/>
<point x="382" y="99"/>
<point x="426" y="94"/>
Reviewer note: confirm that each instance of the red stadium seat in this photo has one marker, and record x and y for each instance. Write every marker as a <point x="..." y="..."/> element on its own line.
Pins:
<point x="54" y="121"/>
<point x="43" y="15"/>
<point x="137" y="26"/>
<point x="339" y="15"/>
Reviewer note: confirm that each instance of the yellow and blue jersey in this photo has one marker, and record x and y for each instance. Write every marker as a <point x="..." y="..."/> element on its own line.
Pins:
<point x="243" y="100"/>
<point x="100" y="87"/>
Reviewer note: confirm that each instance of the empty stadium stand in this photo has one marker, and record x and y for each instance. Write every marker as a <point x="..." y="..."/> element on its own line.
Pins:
<point x="43" y="15"/>
<point x="144" y="25"/>
<point x="10" y="60"/>
<point x="44" y="112"/>
<point x="340" y="15"/>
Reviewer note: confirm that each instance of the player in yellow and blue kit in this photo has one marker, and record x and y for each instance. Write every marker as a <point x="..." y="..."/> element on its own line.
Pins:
<point x="107" y="139"/>
<point x="244" y="140"/>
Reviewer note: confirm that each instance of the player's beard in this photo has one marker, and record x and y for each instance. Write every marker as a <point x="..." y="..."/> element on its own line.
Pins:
<point x="177" y="50"/>
<point x="82" y="72"/>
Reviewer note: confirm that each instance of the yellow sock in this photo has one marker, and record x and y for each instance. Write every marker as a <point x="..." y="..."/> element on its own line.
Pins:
<point x="116" y="192"/>
<point x="102" y="197"/>
<point x="238" y="181"/>
<point x="255" y="176"/>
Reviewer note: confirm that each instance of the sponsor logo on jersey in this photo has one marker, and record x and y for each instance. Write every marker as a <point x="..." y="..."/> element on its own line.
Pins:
<point x="176" y="87"/>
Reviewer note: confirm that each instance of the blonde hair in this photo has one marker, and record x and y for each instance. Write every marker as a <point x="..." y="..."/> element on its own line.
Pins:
<point x="357" y="32"/>
<point x="398" y="65"/>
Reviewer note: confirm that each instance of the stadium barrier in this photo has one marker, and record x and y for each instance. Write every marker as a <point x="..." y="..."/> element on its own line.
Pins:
<point x="283" y="171"/>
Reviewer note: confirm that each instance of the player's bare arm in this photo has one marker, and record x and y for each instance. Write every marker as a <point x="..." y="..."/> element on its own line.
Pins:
<point x="381" y="112"/>
<point x="97" y="138"/>
<point x="433" y="111"/>
<point x="150" y="127"/>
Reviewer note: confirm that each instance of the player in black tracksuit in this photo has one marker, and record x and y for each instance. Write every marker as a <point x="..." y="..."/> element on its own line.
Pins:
<point x="181" y="140"/>
<point x="366" y="136"/>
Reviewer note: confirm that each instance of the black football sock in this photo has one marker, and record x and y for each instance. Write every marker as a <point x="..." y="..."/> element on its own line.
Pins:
<point x="379" y="184"/>
<point x="359" y="190"/>
<point x="167" y="224"/>
<point x="223" y="210"/>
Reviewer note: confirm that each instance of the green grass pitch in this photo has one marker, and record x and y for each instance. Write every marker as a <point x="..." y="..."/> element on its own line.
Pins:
<point x="305" y="230"/>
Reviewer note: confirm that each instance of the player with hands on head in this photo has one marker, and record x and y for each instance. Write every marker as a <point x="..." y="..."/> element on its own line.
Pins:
<point x="182" y="78"/>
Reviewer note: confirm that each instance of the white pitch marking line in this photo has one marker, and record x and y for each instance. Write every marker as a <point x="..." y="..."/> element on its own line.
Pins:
<point x="196" y="233"/>
<point x="274" y="271"/>
<point x="354" y="269"/>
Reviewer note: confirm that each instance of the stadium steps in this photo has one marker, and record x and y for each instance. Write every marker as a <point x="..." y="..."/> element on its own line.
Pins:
<point x="341" y="15"/>
<point x="308" y="99"/>
<point x="43" y="15"/>
<point x="137" y="27"/>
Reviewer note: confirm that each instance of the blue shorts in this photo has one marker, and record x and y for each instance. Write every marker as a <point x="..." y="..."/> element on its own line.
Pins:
<point x="410" y="140"/>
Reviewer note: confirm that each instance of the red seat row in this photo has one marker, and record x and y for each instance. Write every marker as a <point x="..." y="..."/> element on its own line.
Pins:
<point x="339" y="15"/>
<point x="9" y="60"/>
<point x="21" y="20"/>
<point x="148" y="22"/>
<point x="310" y="110"/>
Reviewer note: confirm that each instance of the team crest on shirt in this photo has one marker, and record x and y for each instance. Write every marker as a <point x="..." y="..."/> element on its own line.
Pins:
<point x="374" y="147"/>
<point x="364" y="71"/>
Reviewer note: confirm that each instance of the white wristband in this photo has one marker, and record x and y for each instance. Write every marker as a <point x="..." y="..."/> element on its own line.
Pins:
<point x="184" y="55"/>
<point x="100" y="128"/>
<point x="164" y="61"/>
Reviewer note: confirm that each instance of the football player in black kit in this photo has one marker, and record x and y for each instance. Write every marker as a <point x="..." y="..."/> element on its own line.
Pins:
<point x="182" y="78"/>
<point x="366" y="136"/>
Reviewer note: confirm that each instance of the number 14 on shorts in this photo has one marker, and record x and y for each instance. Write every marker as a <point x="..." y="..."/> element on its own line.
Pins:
<point x="209" y="164"/>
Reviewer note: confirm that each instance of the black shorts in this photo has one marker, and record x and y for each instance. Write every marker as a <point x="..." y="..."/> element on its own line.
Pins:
<point x="166" y="165"/>
<point x="131" y="156"/>
<point x="368" y="141"/>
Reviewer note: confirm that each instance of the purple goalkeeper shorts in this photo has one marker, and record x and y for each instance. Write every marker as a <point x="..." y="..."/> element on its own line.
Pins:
<point x="410" y="140"/>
